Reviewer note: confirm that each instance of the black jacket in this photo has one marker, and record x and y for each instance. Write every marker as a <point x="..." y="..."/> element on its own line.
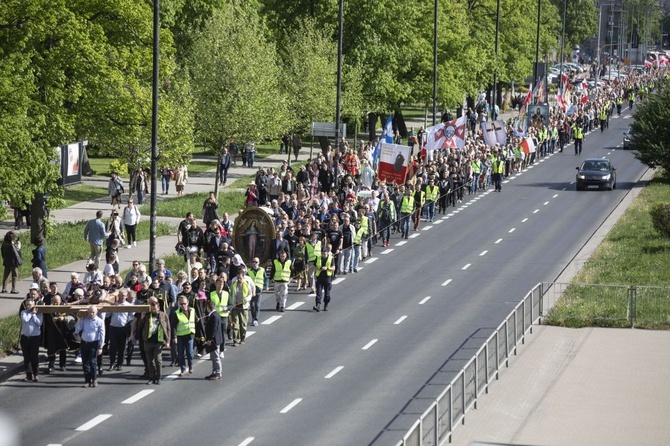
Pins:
<point x="213" y="328"/>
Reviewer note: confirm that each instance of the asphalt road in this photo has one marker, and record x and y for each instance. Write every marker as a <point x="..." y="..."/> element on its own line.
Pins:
<point x="393" y="338"/>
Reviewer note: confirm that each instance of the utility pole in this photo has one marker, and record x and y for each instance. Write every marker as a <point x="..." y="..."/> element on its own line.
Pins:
<point x="560" y="81"/>
<point x="338" y="107"/>
<point x="494" y="115"/>
<point x="154" y="137"/>
<point x="435" y="65"/>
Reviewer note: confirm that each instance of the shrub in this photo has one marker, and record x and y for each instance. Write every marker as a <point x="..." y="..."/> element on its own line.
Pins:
<point x="660" y="216"/>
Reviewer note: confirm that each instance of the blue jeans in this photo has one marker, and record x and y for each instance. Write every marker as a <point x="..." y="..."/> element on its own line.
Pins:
<point x="357" y="256"/>
<point x="140" y="196"/>
<point x="404" y="225"/>
<point x="223" y="175"/>
<point x="255" y="305"/>
<point x="165" y="183"/>
<point x="185" y="351"/>
<point x="430" y="210"/>
<point x="251" y="156"/>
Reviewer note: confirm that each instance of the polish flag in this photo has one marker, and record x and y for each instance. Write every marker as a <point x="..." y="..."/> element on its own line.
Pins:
<point x="559" y="99"/>
<point x="564" y="79"/>
<point x="528" y="146"/>
<point x="528" y="96"/>
<point x="585" y="99"/>
<point x="647" y="63"/>
<point x="585" y="85"/>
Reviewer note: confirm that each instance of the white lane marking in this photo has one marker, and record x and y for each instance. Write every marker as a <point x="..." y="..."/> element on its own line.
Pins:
<point x="292" y="307"/>
<point x="438" y="222"/>
<point x="460" y="209"/>
<point x="506" y="181"/>
<point x="512" y="230"/>
<point x="565" y="188"/>
<point x="456" y="212"/>
<point x="545" y="203"/>
<point x="293" y="403"/>
<point x="536" y="211"/>
<point x="334" y="372"/>
<point x="424" y="300"/>
<point x="94" y="422"/>
<point x="247" y="441"/>
<point x="450" y="215"/>
<point x="138" y="396"/>
<point x="369" y="344"/>
<point x="174" y="375"/>
<point x="466" y="266"/>
<point x="359" y="269"/>
<point x="402" y="318"/>
<point x="415" y="235"/>
<point x="446" y="282"/>
<point x="200" y="361"/>
<point x="250" y="333"/>
<point x="338" y="280"/>
<point x="401" y="243"/>
<point x="270" y="320"/>
<point x="555" y="196"/>
<point x="427" y="228"/>
<point x="387" y="251"/>
<point x="483" y="253"/>
<point x="371" y="260"/>
<point x="542" y="160"/>
<point x="524" y="220"/>
<point x="572" y="182"/>
<point x="54" y="444"/>
<point x="498" y="241"/>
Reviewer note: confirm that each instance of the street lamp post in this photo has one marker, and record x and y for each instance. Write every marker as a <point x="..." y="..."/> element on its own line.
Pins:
<point x="537" y="41"/>
<point x="560" y="81"/>
<point x="340" y="17"/>
<point x="494" y="115"/>
<point x="154" y="137"/>
<point x="435" y="65"/>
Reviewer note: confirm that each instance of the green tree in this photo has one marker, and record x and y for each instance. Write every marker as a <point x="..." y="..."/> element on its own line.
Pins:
<point x="650" y="130"/>
<point x="581" y="21"/>
<point x="308" y="76"/>
<point x="235" y="80"/>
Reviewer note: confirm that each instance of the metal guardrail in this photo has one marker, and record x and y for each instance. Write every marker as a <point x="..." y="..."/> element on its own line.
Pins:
<point x="438" y="422"/>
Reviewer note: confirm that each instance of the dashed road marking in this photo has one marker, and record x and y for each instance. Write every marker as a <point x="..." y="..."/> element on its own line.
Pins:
<point x="498" y="241"/>
<point x="446" y="282"/>
<point x="512" y="230"/>
<point x="438" y="222"/>
<point x="369" y="344"/>
<point x="371" y="260"/>
<point x="338" y="280"/>
<point x="138" y="396"/>
<point x="292" y="307"/>
<point x="427" y="228"/>
<point x="401" y="243"/>
<point x="293" y="403"/>
<point x="94" y="422"/>
<point x="387" y="251"/>
<point x="545" y="203"/>
<point x="334" y="372"/>
<point x="467" y="265"/>
<point x="536" y="211"/>
<point x="247" y="441"/>
<point x="556" y="195"/>
<point x="524" y="220"/>
<point x="424" y="300"/>
<point x="270" y="320"/>
<point x="251" y="333"/>
<point x="402" y="318"/>
<point x="483" y="253"/>
<point x="415" y="235"/>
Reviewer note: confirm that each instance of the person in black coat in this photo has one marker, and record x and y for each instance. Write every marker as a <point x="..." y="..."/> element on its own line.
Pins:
<point x="214" y="338"/>
<point x="11" y="259"/>
<point x="40" y="255"/>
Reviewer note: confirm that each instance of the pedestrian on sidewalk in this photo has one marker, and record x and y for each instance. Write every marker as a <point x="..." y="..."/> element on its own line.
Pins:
<point x="40" y="255"/>
<point x="180" y="177"/>
<point x="11" y="259"/>
<point x="166" y="176"/>
<point x="115" y="189"/>
<point x="225" y="165"/>
<point x="131" y="218"/>
<point x="31" y="334"/>
<point x="95" y="234"/>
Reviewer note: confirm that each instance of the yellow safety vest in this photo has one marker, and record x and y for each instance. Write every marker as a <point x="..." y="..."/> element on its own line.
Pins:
<point x="159" y="329"/>
<point x="578" y="132"/>
<point x="407" y="204"/>
<point x="185" y="326"/>
<point x="431" y="195"/>
<point x="365" y="225"/>
<point x="358" y="237"/>
<point x="312" y="250"/>
<point x="476" y="166"/>
<point x="221" y="302"/>
<point x="329" y="261"/>
<point x="283" y="272"/>
<point x="258" y="277"/>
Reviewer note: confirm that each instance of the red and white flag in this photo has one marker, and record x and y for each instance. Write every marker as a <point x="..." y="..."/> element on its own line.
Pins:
<point x="585" y="85"/>
<point x="528" y="96"/>
<point x="559" y="99"/>
<point x="564" y="80"/>
<point x="647" y="63"/>
<point x="528" y="146"/>
<point x="446" y="135"/>
<point x="585" y="98"/>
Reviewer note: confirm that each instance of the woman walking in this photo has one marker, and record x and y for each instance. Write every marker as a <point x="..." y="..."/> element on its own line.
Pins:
<point x="11" y="259"/>
<point x="131" y="218"/>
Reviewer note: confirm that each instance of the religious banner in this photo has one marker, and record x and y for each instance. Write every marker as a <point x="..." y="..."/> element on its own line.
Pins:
<point x="446" y="135"/>
<point x="254" y="230"/>
<point x="393" y="162"/>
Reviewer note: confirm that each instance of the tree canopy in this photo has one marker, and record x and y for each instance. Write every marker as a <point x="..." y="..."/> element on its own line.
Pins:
<point x="650" y="131"/>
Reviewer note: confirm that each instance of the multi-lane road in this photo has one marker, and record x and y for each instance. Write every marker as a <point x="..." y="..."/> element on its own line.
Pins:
<point x="393" y="337"/>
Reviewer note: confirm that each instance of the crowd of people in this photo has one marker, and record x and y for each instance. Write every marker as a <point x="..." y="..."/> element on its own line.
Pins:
<point x="329" y="215"/>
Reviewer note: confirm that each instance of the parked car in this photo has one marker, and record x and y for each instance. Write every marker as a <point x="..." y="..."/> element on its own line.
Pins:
<point x="596" y="172"/>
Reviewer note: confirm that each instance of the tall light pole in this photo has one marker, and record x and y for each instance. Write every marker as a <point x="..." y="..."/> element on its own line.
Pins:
<point x="494" y="115"/>
<point x="435" y="65"/>
<point x="537" y="42"/>
<point x="154" y="136"/>
<point x="560" y="81"/>
<point x="338" y="107"/>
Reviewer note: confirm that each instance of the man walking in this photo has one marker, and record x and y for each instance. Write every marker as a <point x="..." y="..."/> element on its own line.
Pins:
<point x="91" y="330"/>
<point x="281" y="274"/>
<point x="324" y="274"/>
<point x="225" y="165"/>
<point x="214" y="337"/>
<point x="243" y="289"/>
<point x="95" y="234"/>
<point x="182" y="322"/>
<point x="155" y="336"/>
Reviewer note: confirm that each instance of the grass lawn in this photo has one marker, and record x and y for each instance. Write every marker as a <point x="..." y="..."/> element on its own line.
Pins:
<point x="230" y="202"/>
<point x="199" y="167"/>
<point x="79" y="192"/>
<point x="100" y="166"/>
<point x="633" y="253"/>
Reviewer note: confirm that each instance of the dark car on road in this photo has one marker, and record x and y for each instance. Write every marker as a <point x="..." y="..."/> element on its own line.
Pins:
<point x="596" y="172"/>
